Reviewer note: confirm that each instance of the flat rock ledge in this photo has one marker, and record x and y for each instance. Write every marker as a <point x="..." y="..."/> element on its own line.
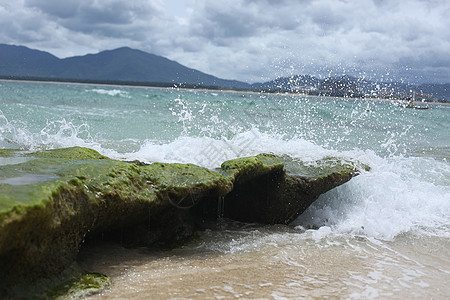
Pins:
<point x="51" y="201"/>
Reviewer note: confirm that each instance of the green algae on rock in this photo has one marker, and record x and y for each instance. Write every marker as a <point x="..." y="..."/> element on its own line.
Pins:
<point x="50" y="201"/>
<point x="73" y="283"/>
<point x="42" y="223"/>
<point x="278" y="197"/>
<point x="82" y="286"/>
<point x="246" y="168"/>
<point x="69" y="153"/>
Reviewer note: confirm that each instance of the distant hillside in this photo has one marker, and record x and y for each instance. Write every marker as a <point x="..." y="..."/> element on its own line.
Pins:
<point x="439" y="91"/>
<point x="123" y="64"/>
<point x="22" y="61"/>
<point x="296" y="82"/>
<point x="130" y="66"/>
<point x="348" y="86"/>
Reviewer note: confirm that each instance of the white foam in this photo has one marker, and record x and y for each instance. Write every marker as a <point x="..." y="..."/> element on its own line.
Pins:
<point x="210" y="153"/>
<point x="113" y="92"/>
<point x="55" y="134"/>
<point x="399" y="194"/>
<point x="391" y="199"/>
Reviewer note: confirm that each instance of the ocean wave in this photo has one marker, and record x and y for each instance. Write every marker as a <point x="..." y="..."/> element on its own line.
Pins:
<point x="55" y="134"/>
<point x="113" y="92"/>
<point x="400" y="194"/>
<point x="210" y="152"/>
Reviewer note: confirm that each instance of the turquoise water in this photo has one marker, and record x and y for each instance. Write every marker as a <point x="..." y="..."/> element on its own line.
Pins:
<point x="42" y="115"/>
<point x="384" y="224"/>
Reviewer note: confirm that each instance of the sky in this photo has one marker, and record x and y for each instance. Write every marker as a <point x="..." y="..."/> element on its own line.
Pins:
<point x="248" y="40"/>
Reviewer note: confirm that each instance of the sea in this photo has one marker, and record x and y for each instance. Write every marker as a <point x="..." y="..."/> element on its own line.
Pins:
<point x="385" y="234"/>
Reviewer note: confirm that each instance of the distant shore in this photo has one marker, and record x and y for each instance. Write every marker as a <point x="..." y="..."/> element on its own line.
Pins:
<point x="189" y="87"/>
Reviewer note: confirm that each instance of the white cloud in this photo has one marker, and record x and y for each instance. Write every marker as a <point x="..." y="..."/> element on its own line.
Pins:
<point x="247" y="39"/>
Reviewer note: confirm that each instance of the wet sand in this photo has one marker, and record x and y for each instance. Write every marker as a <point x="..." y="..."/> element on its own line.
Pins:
<point x="267" y="263"/>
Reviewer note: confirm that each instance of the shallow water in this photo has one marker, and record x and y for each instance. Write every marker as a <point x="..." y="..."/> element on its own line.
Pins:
<point x="384" y="234"/>
<point x="27" y="179"/>
<point x="278" y="262"/>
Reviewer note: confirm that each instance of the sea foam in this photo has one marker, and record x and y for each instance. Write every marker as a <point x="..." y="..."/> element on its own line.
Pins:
<point x="399" y="194"/>
<point x="393" y="198"/>
<point x="109" y="92"/>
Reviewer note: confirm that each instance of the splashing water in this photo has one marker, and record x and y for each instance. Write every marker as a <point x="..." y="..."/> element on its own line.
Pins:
<point x="371" y="237"/>
<point x="407" y="150"/>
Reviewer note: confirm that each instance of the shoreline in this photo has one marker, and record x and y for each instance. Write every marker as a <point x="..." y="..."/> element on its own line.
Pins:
<point x="205" y="89"/>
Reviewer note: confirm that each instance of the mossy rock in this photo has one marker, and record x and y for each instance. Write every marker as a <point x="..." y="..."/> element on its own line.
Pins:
<point x="282" y="194"/>
<point x="72" y="283"/>
<point x="69" y="153"/>
<point x="50" y="201"/>
<point x="7" y="152"/>
<point x="246" y="168"/>
<point x="85" y="285"/>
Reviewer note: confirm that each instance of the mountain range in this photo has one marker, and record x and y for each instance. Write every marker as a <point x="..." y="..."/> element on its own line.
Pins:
<point x="348" y="86"/>
<point x="130" y="66"/>
<point x="122" y="64"/>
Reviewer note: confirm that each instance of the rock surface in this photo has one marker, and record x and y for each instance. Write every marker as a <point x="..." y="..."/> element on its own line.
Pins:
<point x="51" y="200"/>
<point x="283" y="193"/>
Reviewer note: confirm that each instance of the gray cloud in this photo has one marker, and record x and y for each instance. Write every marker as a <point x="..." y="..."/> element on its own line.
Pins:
<point x="95" y="12"/>
<point x="109" y="18"/>
<point x="247" y="39"/>
<point x="55" y="8"/>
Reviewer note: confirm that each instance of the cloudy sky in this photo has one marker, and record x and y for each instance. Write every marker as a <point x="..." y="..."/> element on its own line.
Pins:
<point x="248" y="40"/>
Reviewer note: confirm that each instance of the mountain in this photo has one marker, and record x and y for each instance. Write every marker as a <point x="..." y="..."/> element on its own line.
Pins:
<point x="122" y="64"/>
<point x="126" y="65"/>
<point x="22" y="61"/>
<point x="348" y="86"/>
<point x="295" y="82"/>
<point x="439" y="91"/>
